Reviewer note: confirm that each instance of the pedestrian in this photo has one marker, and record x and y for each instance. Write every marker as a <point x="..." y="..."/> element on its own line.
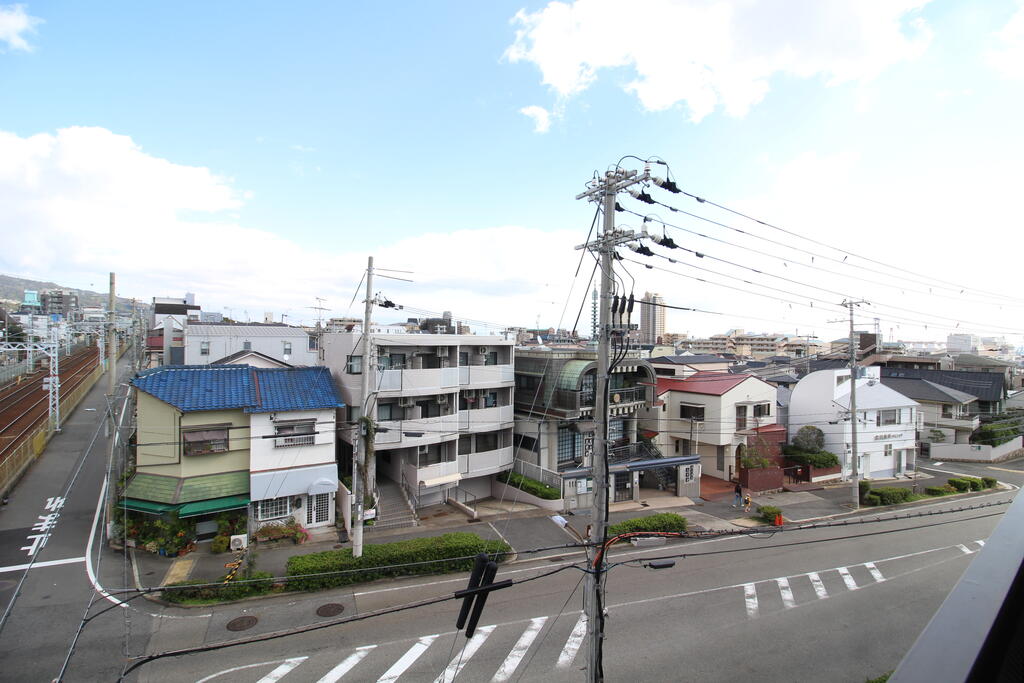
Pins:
<point x="746" y="502"/>
<point x="737" y="495"/>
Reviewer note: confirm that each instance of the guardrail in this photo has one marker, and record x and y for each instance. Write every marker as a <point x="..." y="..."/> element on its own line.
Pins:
<point x="538" y="473"/>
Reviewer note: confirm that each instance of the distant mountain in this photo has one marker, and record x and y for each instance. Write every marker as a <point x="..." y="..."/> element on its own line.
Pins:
<point x="13" y="289"/>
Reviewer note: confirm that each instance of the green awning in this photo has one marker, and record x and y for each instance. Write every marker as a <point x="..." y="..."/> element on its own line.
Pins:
<point x="205" y="507"/>
<point x="147" y="506"/>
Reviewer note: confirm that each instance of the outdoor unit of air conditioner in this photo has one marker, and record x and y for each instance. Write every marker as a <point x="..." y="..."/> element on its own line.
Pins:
<point x="422" y="450"/>
<point x="406" y="402"/>
<point x="442" y="399"/>
<point x="481" y="349"/>
<point x="441" y="351"/>
<point x="239" y="541"/>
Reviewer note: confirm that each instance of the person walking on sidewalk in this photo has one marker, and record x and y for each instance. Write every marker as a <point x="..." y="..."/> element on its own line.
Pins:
<point x="737" y="495"/>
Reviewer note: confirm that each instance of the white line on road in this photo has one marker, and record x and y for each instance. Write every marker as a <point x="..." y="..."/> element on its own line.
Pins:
<point x="280" y="672"/>
<point x="468" y="650"/>
<point x="750" y="598"/>
<point x="37" y="565"/>
<point x="964" y="549"/>
<point x="519" y="650"/>
<point x="239" y="668"/>
<point x="787" y="593"/>
<point x="410" y="656"/>
<point x="847" y="579"/>
<point x="819" y="587"/>
<point x="937" y="464"/>
<point x="346" y="664"/>
<point x="572" y="645"/>
<point x="875" y="574"/>
<point x="981" y="543"/>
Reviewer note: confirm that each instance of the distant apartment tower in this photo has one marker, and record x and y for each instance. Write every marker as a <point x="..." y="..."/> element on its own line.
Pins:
<point x="962" y="343"/>
<point x="60" y="302"/>
<point x="652" y="318"/>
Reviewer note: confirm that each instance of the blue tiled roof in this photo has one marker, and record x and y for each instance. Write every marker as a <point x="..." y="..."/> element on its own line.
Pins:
<point x="192" y="388"/>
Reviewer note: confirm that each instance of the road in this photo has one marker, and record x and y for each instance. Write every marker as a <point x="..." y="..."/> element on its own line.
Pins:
<point x="841" y="604"/>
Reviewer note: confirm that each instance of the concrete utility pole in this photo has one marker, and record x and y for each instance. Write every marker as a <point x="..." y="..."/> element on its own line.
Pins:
<point x="605" y="191"/>
<point x="111" y="340"/>
<point x="359" y="486"/>
<point x="854" y="474"/>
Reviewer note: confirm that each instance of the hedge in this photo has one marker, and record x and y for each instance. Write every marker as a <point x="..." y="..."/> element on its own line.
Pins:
<point x="892" y="495"/>
<point x="232" y="590"/>
<point x="819" y="459"/>
<point x="872" y="498"/>
<point x="989" y="482"/>
<point x="936" y="490"/>
<point x="863" y="486"/>
<point x="435" y="555"/>
<point x="768" y="513"/>
<point x="663" y="521"/>
<point x="960" y="484"/>
<point x="531" y="486"/>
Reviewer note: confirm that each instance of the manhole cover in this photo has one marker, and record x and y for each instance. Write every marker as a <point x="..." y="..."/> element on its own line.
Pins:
<point x="241" y="623"/>
<point x="331" y="609"/>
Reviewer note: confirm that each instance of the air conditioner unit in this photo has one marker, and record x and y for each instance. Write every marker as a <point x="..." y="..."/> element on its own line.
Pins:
<point x="481" y="349"/>
<point x="239" y="541"/>
<point x="442" y="399"/>
<point x="441" y="351"/>
<point x="422" y="450"/>
<point x="406" y="402"/>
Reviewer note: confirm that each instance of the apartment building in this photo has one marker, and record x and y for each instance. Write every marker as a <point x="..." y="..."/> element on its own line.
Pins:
<point x="206" y="343"/>
<point x="442" y="409"/>
<point x="652" y="318"/>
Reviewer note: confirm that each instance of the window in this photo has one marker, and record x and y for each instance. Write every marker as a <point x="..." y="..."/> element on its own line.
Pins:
<point x="396" y="361"/>
<point x="720" y="458"/>
<point x="688" y="412"/>
<point x="273" y="508"/>
<point x="491" y="358"/>
<point x="354" y="365"/>
<point x="207" y="440"/>
<point x="486" y="442"/>
<point x="888" y="450"/>
<point x="490" y="399"/>
<point x="763" y="410"/>
<point x="464" y="358"/>
<point x="465" y="445"/>
<point x="318" y="508"/>
<point x="741" y="417"/>
<point x="525" y="442"/>
<point x="287" y="348"/>
<point x="294" y="433"/>
<point x="888" y="417"/>
<point x="436" y="453"/>
<point x="204" y="348"/>
<point x="386" y="411"/>
<point x="247" y="346"/>
<point x="567" y="447"/>
<point x="947" y="411"/>
<point x="616" y="430"/>
<point x="311" y="343"/>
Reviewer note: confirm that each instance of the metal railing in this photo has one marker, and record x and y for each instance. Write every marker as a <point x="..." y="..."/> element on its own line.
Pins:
<point x="9" y="372"/>
<point x="410" y="492"/>
<point x="538" y="473"/>
<point x="463" y="496"/>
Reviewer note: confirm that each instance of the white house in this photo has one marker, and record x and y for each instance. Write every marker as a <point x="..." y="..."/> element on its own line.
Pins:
<point x="207" y="343"/>
<point x="887" y="421"/>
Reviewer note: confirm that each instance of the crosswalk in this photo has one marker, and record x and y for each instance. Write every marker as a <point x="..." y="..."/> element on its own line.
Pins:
<point x="547" y="647"/>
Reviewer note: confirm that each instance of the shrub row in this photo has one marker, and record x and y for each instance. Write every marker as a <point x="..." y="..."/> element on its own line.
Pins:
<point x="768" y="513"/>
<point x="419" y="555"/>
<point x="892" y="495"/>
<point x="871" y="498"/>
<point x="531" y="486"/>
<point x="232" y="590"/>
<point x="819" y="459"/>
<point x="663" y="521"/>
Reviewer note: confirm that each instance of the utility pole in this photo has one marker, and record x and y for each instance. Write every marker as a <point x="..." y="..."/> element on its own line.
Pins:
<point x="854" y="474"/>
<point x="112" y="339"/>
<point x="363" y="469"/>
<point x="603" y="190"/>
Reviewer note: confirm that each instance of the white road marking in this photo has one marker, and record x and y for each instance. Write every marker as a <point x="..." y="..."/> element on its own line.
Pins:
<point x="750" y="598"/>
<point x="410" y="656"/>
<point x="875" y="574"/>
<point x="346" y="664"/>
<point x="519" y="650"/>
<point x="572" y="645"/>
<point x="819" y="587"/>
<point x="279" y="673"/>
<point x="37" y="565"/>
<point x="239" y="668"/>
<point x="981" y="543"/>
<point x="787" y="593"/>
<point x="847" y="579"/>
<point x="964" y="549"/>
<point x="938" y="464"/>
<point x="461" y="659"/>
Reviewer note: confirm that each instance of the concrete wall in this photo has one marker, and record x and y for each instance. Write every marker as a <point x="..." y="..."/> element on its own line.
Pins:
<point x="977" y="452"/>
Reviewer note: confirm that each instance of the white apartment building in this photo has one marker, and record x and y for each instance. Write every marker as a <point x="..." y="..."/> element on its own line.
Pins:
<point x="207" y="343"/>
<point x="442" y="405"/>
<point x="652" y="318"/>
<point x="887" y="421"/>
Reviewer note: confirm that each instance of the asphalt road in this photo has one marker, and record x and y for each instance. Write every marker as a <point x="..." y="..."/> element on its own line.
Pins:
<point x="834" y="604"/>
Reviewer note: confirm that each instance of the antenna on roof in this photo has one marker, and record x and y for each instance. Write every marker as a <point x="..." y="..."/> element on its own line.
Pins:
<point x="319" y="308"/>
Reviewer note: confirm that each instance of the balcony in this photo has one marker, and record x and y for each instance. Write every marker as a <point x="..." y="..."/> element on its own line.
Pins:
<point x="437" y="475"/>
<point x="419" y="382"/>
<point x="960" y="422"/>
<point x="485" y="419"/>
<point x="405" y="433"/>
<point x="485" y="462"/>
<point x="483" y="376"/>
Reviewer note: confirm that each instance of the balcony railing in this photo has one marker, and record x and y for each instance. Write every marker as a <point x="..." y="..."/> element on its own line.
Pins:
<point x="423" y="380"/>
<point x="640" y="450"/>
<point x="486" y="375"/>
<point x="415" y="432"/>
<point x="482" y="419"/>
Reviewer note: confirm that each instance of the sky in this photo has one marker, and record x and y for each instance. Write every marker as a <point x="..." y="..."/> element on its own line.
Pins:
<point x="257" y="153"/>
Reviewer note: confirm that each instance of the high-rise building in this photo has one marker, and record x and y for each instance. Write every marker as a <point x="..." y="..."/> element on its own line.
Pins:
<point x="652" y="318"/>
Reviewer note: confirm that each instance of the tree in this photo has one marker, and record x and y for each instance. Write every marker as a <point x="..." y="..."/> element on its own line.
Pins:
<point x="809" y="439"/>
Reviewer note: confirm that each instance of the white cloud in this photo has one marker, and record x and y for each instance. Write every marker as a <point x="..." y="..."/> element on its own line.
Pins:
<point x="715" y="55"/>
<point x="541" y="118"/>
<point x="1008" y="58"/>
<point x="85" y="201"/>
<point x="15" y="23"/>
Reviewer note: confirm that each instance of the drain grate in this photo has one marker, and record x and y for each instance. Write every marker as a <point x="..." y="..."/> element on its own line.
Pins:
<point x="242" y="623"/>
<point x="331" y="609"/>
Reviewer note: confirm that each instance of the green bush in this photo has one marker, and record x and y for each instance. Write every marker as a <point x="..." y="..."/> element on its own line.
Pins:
<point x="989" y="482"/>
<point x="872" y="498"/>
<point x="257" y="583"/>
<point x="220" y="544"/>
<point x="768" y="513"/>
<point x="817" y="459"/>
<point x="436" y="555"/>
<point x="935" y="490"/>
<point x="664" y="521"/>
<point x="892" y="495"/>
<point x="809" y="439"/>
<point x="531" y="486"/>
<point x="863" y="486"/>
<point x="975" y="483"/>
<point x="960" y="484"/>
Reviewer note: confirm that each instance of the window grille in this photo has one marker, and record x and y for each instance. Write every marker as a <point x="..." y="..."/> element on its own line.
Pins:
<point x="294" y="434"/>
<point x="273" y="508"/>
<point x="205" y="441"/>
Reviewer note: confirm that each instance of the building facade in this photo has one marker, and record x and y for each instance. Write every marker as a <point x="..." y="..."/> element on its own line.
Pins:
<point x="206" y="343"/>
<point x="652" y="319"/>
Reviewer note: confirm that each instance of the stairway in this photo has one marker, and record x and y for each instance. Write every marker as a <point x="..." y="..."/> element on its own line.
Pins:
<point x="393" y="512"/>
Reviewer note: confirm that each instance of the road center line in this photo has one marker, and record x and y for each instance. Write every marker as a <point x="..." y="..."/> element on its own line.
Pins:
<point x="37" y="565"/>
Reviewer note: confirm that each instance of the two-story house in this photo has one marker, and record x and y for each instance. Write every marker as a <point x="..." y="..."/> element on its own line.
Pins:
<point x="210" y="342"/>
<point x="715" y="415"/>
<point x="887" y="421"/>
<point x="235" y="437"/>
<point x="442" y="410"/>
<point x="556" y="426"/>
<point x="945" y="412"/>
<point x="689" y="364"/>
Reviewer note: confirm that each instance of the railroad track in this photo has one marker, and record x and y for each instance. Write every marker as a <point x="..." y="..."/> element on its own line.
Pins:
<point x="21" y="410"/>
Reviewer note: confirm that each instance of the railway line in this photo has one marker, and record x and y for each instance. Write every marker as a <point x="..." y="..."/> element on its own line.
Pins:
<point x="24" y="405"/>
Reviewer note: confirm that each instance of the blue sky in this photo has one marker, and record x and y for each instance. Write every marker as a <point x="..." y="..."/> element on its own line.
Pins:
<point x="256" y="153"/>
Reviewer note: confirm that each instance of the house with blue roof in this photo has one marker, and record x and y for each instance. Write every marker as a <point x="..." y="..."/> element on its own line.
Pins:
<point x="216" y="438"/>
